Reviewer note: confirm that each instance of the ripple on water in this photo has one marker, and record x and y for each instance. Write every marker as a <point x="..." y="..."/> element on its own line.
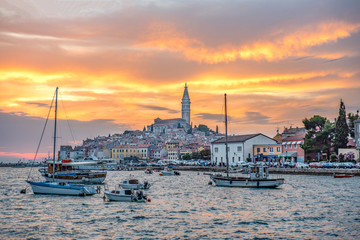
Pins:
<point x="186" y="207"/>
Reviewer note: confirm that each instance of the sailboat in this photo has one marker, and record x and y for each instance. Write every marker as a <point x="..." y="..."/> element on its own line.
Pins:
<point x="259" y="174"/>
<point x="58" y="188"/>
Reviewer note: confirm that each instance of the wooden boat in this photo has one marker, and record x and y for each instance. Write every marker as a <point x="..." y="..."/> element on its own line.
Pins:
<point x="259" y="178"/>
<point x="68" y="171"/>
<point x="259" y="174"/>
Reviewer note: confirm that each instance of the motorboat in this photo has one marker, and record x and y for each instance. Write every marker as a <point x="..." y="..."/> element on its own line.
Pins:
<point x="259" y="178"/>
<point x="134" y="184"/>
<point x="125" y="195"/>
<point x="148" y="170"/>
<point x="169" y="172"/>
<point x="56" y="188"/>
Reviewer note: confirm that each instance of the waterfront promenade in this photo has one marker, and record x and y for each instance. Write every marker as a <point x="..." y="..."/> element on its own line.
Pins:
<point x="302" y="171"/>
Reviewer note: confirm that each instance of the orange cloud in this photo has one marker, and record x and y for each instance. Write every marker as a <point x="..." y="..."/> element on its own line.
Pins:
<point x="298" y="43"/>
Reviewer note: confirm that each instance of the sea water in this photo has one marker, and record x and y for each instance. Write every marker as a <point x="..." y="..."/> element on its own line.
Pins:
<point x="185" y="207"/>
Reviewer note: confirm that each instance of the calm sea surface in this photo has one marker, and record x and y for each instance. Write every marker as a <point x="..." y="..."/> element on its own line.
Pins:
<point x="185" y="207"/>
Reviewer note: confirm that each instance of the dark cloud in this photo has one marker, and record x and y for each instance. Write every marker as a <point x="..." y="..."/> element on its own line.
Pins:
<point x="157" y="108"/>
<point x="21" y="133"/>
<point x="253" y="118"/>
<point x="38" y="104"/>
<point x="211" y="116"/>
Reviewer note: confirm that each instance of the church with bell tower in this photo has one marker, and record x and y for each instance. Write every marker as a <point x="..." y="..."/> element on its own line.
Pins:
<point x="166" y="125"/>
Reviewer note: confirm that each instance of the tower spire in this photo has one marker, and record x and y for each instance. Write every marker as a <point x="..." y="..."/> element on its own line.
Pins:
<point x="185" y="105"/>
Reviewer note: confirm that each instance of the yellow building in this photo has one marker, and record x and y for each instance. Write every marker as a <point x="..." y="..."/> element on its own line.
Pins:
<point x="266" y="151"/>
<point x="123" y="151"/>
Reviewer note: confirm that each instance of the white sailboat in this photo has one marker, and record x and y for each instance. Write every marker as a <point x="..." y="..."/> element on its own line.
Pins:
<point x="259" y="175"/>
<point x="58" y="188"/>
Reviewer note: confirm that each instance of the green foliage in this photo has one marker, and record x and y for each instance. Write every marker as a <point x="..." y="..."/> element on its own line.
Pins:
<point x="195" y="155"/>
<point x="186" y="156"/>
<point x="352" y="118"/>
<point x="205" y="129"/>
<point x="341" y="130"/>
<point x="319" y="135"/>
<point x="205" y="154"/>
<point x="333" y="158"/>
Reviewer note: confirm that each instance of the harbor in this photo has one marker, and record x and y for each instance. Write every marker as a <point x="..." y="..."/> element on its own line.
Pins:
<point x="185" y="207"/>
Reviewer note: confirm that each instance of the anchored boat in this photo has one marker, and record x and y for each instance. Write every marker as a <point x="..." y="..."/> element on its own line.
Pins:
<point x="259" y="174"/>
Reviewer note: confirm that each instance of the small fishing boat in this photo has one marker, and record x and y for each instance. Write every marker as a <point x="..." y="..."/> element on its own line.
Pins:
<point x="343" y="175"/>
<point x="56" y="188"/>
<point x="126" y="195"/>
<point x="148" y="170"/>
<point x="134" y="184"/>
<point x="169" y="172"/>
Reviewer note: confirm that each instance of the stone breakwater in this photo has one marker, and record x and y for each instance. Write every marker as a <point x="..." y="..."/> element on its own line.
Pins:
<point x="300" y="171"/>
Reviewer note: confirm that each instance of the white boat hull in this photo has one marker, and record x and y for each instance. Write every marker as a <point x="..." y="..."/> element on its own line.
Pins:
<point x="83" y="180"/>
<point x="247" y="182"/>
<point x="122" y="197"/>
<point x="55" y="188"/>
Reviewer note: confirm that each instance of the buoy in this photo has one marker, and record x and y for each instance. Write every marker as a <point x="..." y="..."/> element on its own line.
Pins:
<point x="23" y="191"/>
<point x="210" y="183"/>
<point x="149" y="200"/>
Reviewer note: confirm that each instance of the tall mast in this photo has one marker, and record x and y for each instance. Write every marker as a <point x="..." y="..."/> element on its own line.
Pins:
<point x="54" y="150"/>
<point x="226" y="141"/>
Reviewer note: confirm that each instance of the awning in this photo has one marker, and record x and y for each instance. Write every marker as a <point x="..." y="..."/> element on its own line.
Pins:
<point x="283" y="143"/>
<point x="288" y="154"/>
<point x="293" y="142"/>
<point x="299" y="142"/>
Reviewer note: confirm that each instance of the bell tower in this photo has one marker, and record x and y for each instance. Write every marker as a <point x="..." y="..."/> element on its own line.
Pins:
<point x="185" y="106"/>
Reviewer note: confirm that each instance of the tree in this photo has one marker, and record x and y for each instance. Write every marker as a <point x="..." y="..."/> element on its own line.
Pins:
<point x="205" y="154"/>
<point x="352" y="118"/>
<point x="342" y="129"/>
<point x="319" y="135"/>
<point x="144" y="129"/>
<point x="186" y="156"/>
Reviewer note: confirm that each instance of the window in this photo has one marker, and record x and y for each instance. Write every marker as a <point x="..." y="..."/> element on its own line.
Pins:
<point x="233" y="159"/>
<point x="271" y="149"/>
<point x="258" y="150"/>
<point x="278" y="149"/>
<point x="290" y="146"/>
<point x="265" y="149"/>
<point x="285" y="146"/>
<point x="295" y="145"/>
<point x="216" y="149"/>
<point x="239" y="148"/>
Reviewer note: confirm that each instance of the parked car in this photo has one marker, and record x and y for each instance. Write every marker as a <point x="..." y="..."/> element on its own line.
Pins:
<point x="302" y="165"/>
<point x="290" y="164"/>
<point x="243" y="164"/>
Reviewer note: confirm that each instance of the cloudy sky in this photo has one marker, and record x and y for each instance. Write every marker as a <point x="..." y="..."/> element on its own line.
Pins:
<point x="120" y="64"/>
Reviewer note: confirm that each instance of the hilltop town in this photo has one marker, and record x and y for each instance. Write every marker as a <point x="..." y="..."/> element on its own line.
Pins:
<point x="176" y="139"/>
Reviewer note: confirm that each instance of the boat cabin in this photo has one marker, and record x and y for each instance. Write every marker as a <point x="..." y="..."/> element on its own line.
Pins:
<point x="59" y="167"/>
<point x="259" y="172"/>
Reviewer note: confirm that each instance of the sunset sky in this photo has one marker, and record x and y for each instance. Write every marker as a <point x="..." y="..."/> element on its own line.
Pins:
<point x="121" y="64"/>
